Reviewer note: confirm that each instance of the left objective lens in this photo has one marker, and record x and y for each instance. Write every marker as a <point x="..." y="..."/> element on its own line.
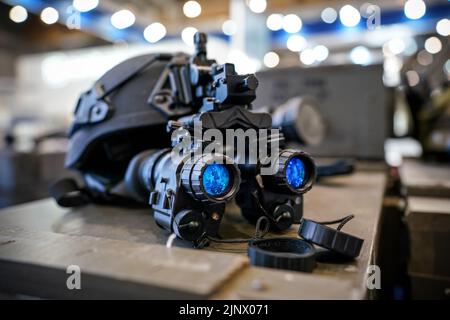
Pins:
<point x="216" y="179"/>
<point x="211" y="178"/>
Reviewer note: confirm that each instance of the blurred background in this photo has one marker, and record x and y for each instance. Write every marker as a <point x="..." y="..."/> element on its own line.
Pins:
<point x="378" y="71"/>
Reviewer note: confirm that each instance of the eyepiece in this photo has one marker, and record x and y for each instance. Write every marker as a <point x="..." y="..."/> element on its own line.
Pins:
<point x="296" y="172"/>
<point x="210" y="177"/>
<point x="216" y="179"/>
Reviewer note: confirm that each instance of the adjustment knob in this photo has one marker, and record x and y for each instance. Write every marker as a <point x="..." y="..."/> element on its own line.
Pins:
<point x="189" y="225"/>
<point x="249" y="83"/>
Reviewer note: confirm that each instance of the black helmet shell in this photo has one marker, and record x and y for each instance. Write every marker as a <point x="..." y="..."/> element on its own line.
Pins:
<point x="114" y="120"/>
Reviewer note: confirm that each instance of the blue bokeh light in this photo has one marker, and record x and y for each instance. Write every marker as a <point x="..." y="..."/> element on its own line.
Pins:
<point x="295" y="172"/>
<point x="216" y="179"/>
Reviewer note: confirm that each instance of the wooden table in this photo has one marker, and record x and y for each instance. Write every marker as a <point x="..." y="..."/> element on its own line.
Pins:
<point x="122" y="253"/>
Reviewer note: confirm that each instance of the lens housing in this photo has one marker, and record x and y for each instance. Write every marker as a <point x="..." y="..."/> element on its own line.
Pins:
<point x="211" y="177"/>
<point x="300" y="121"/>
<point x="296" y="172"/>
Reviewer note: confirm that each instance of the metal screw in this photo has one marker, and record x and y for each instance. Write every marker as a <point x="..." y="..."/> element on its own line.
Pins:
<point x="215" y="216"/>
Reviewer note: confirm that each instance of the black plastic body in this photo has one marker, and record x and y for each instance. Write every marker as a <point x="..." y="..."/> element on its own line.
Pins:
<point x="124" y="153"/>
<point x="331" y="239"/>
<point x="282" y="253"/>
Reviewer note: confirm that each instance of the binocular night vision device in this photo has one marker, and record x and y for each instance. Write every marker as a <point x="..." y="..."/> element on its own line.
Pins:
<point x="188" y="186"/>
<point x="188" y="197"/>
<point x="119" y="145"/>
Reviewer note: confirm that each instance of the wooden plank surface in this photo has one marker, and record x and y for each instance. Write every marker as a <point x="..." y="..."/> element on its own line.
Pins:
<point x="425" y="178"/>
<point x="360" y="194"/>
<point x="154" y="271"/>
<point x="255" y="283"/>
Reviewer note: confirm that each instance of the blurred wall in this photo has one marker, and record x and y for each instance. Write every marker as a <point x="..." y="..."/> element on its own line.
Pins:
<point x="48" y="85"/>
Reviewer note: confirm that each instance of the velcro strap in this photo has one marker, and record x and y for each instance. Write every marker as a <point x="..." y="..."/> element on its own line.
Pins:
<point x="67" y="193"/>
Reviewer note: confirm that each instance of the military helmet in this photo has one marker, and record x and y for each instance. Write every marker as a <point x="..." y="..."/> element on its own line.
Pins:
<point x="116" y="119"/>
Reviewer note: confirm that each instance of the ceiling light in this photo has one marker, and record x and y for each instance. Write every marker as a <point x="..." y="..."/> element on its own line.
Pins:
<point x="329" y="15"/>
<point x="424" y="58"/>
<point x="349" y="16"/>
<point x="123" y="19"/>
<point x="229" y="27"/>
<point x="443" y="27"/>
<point x="296" y="43"/>
<point x="292" y="23"/>
<point x="257" y="6"/>
<point x="360" y="55"/>
<point x="307" y="57"/>
<point x="415" y="9"/>
<point x="49" y="15"/>
<point x="85" y="5"/>
<point x="396" y="46"/>
<point x="447" y="67"/>
<point x="275" y="22"/>
<point x="271" y="59"/>
<point x="187" y="35"/>
<point x="18" y="14"/>
<point x="413" y="78"/>
<point x="320" y="53"/>
<point x="154" y="32"/>
<point x="192" y="9"/>
<point x="433" y="45"/>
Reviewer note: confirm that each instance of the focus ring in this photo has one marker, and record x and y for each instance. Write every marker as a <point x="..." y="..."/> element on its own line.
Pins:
<point x="190" y="178"/>
<point x="192" y="175"/>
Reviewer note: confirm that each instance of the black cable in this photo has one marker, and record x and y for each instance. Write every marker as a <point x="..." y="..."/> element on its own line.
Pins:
<point x="344" y="221"/>
<point x="341" y="221"/>
<point x="259" y="233"/>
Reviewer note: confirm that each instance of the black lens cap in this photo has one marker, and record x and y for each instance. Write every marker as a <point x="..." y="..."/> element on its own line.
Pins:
<point x="331" y="239"/>
<point x="282" y="253"/>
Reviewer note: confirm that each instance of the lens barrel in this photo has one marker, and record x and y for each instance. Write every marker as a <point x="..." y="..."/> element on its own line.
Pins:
<point x="300" y="121"/>
<point x="210" y="177"/>
<point x="295" y="172"/>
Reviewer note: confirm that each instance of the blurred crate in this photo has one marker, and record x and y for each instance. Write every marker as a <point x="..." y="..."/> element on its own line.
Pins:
<point x="356" y="105"/>
<point x="429" y="287"/>
<point x="428" y="221"/>
<point x="26" y="176"/>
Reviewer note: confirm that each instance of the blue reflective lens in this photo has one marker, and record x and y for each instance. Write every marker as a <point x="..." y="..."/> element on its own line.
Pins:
<point x="295" y="172"/>
<point x="216" y="179"/>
